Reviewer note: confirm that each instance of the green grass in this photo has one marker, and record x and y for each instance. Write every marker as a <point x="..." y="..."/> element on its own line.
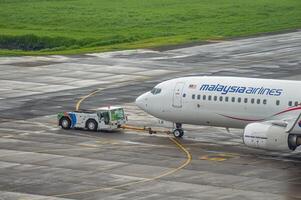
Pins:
<point x="40" y="27"/>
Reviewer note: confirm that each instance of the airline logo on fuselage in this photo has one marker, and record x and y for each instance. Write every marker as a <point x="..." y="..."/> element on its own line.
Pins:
<point x="225" y="89"/>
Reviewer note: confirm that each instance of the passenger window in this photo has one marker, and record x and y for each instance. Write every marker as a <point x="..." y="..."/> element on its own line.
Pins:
<point x="209" y="97"/>
<point x="290" y="103"/>
<point x="277" y="102"/>
<point x="215" y="98"/>
<point x="233" y="99"/>
<point x="296" y="103"/>
<point x="220" y="98"/>
<point x="193" y="96"/>
<point x="246" y="100"/>
<point x="226" y="99"/>
<point x="184" y="95"/>
<point x="204" y="97"/>
<point x="252" y="100"/>
<point x="264" y="101"/>
<point x="199" y="97"/>
<point x="258" y="101"/>
<point x="238" y="99"/>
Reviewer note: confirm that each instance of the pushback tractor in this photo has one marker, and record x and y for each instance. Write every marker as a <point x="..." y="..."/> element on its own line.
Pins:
<point x="104" y="118"/>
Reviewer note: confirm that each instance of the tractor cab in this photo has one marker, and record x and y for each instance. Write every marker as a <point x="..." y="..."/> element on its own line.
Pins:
<point x="111" y="115"/>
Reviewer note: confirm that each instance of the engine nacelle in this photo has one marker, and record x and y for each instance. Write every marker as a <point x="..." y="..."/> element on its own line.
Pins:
<point x="270" y="137"/>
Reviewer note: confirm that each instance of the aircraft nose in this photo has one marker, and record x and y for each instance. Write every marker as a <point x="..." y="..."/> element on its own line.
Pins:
<point x="141" y="101"/>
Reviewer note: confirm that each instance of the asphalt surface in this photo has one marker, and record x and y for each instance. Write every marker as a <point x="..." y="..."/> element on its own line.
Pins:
<point x="38" y="160"/>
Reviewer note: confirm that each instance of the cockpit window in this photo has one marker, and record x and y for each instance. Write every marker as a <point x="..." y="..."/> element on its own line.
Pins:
<point x="156" y="91"/>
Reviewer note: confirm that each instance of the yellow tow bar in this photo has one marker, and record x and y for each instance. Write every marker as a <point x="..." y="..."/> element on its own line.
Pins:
<point x="144" y="129"/>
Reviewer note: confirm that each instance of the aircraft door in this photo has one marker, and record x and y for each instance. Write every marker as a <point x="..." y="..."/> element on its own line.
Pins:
<point x="177" y="95"/>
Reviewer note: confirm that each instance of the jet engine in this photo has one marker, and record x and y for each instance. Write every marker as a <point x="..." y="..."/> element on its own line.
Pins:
<point x="269" y="136"/>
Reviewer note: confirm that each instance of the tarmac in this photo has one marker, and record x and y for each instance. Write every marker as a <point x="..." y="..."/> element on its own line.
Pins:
<point x="38" y="160"/>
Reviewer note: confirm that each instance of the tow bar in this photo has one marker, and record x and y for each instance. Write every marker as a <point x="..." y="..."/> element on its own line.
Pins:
<point x="147" y="129"/>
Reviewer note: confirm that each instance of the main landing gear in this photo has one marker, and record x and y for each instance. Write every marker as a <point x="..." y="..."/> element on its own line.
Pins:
<point x="178" y="132"/>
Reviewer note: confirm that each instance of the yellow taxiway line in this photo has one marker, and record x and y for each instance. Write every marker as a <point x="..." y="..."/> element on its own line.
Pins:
<point x="169" y="172"/>
<point x="85" y="97"/>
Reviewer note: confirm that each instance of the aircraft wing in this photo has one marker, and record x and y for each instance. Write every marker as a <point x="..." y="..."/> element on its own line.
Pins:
<point x="292" y="123"/>
<point x="281" y="134"/>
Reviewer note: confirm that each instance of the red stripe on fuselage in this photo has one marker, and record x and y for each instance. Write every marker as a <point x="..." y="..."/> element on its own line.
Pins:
<point x="255" y="120"/>
<point x="288" y="110"/>
<point x="241" y="119"/>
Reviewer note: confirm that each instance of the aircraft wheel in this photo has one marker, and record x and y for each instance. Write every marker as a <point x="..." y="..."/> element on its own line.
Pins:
<point x="178" y="133"/>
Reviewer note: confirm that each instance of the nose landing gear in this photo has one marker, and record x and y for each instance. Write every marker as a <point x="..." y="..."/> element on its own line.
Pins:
<point x="178" y="132"/>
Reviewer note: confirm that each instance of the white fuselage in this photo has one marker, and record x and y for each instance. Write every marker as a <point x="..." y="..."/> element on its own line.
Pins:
<point x="231" y="102"/>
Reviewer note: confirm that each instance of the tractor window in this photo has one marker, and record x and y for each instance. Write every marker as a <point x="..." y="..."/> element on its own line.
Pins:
<point x="106" y="117"/>
<point x="100" y="115"/>
<point x="117" y="114"/>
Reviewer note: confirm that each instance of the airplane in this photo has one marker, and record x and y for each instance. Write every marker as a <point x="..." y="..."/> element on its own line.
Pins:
<point x="268" y="110"/>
